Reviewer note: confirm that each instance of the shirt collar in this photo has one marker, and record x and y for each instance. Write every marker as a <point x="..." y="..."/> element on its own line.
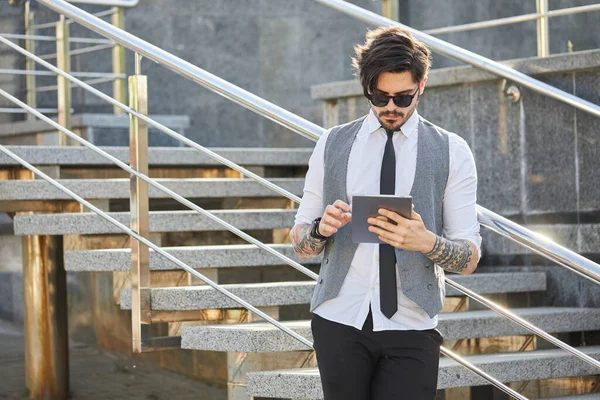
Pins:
<point x="409" y="127"/>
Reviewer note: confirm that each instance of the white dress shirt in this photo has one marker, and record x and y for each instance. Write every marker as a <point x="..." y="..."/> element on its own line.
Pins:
<point x="360" y="289"/>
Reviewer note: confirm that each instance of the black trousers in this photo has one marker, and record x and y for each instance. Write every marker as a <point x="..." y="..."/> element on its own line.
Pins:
<point x="365" y="365"/>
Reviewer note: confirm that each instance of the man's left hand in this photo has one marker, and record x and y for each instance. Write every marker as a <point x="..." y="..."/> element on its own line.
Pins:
<point x="409" y="234"/>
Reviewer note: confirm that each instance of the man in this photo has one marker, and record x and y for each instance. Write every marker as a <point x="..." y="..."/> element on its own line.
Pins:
<point x="375" y="306"/>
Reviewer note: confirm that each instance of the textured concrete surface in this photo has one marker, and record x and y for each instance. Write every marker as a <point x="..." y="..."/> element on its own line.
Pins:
<point x="263" y="337"/>
<point x="507" y="367"/>
<point x="157" y="156"/>
<point x="274" y="50"/>
<point x="11" y="296"/>
<point x="267" y="294"/>
<point x="203" y="297"/>
<point x="120" y="188"/>
<point x="195" y="257"/>
<point x="95" y="375"/>
<point x="178" y="123"/>
<point x="536" y="157"/>
<point x="592" y="396"/>
<point x="466" y="74"/>
<point x="160" y="221"/>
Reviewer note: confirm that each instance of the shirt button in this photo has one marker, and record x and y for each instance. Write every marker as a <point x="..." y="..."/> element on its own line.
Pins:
<point x="430" y="286"/>
<point x="376" y="258"/>
<point x="327" y="261"/>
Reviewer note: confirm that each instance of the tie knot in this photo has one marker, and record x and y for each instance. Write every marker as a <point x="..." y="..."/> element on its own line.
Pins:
<point x="390" y="134"/>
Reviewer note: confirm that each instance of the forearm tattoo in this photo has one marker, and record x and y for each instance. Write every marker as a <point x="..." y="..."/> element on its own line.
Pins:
<point x="451" y="255"/>
<point x="305" y="245"/>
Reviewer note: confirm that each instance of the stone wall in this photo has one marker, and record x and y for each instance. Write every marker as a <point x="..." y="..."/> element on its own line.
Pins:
<point x="279" y="49"/>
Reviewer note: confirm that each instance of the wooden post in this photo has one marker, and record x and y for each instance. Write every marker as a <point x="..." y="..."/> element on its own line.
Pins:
<point x="46" y="332"/>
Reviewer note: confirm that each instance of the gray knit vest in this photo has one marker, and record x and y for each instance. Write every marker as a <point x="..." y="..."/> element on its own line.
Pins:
<point x="420" y="279"/>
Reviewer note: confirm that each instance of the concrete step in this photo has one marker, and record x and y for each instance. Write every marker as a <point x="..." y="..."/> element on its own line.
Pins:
<point x="507" y="367"/>
<point x="284" y="293"/>
<point x="590" y="396"/>
<point x="158" y="156"/>
<point x="262" y="337"/>
<point x="160" y="221"/>
<point x="243" y="255"/>
<point x="120" y="188"/>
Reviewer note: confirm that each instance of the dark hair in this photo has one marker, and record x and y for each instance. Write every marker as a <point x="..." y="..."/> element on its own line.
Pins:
<point x="391" y="49"/>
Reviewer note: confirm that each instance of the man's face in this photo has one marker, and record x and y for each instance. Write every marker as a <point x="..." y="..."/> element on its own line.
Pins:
<point x="391" y="116"/>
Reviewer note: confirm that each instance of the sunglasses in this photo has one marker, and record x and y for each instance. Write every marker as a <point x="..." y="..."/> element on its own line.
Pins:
<point x="381" y="100"/>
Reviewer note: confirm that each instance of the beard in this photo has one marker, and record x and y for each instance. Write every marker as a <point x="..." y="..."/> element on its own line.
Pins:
<point x="394" y="125"/>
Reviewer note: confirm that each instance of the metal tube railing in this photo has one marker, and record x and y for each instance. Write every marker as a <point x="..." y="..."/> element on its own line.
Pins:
<point x="482" y="373"/>
<point x="177" y="63"/>
<point x="151" y="245"/>
<point x="512" y="20"/>
<point x="53" y="24"/>
<point x="188" y="70"/>
<point x="458" y="53"/>
<point x="155" y="124"/>
<point x="539" y="244"/>
<point x="115" y="3"/>
<point x="53" y="39"/>
<point x="520" y="321"/>
<point x="162" y="188"/>
<point x="5" y="110"/>
<point x="49" y="73"/>
<point x="84" y="50"/>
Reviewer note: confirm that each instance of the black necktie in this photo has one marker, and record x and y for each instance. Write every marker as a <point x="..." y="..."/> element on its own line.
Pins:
<point x="387" y="256"/>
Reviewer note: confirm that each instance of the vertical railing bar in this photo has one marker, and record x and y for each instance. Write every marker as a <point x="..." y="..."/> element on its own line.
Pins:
<point x="118" y="60"/>
<point x="139" y="213"/>
<point x="63" y="62"/>
<point x="543" y="47"/>
<point x="30" y="80"/>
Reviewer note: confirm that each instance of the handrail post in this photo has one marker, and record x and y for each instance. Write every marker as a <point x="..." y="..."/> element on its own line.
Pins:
<point x="63" y="62"/>
<point x="139" y="210"/>
<point x="390" y="9"/>
<point x="118" y="60"/>
<point x="543" y="46"/>
<point x="30" y="83"/>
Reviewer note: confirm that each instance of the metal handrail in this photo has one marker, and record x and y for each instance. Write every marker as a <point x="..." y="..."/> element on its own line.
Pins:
<point x="225" y="292"/>
<point x="173" y="62"/>
<point x="152" y="122"/>
<point x="458" y="53"/>
<point x="522" y="235"/>
<point x="224" y="88"/>
<point x="115" y="3"/>
<point x="41" y="38"/>
<point x="512" y="20"/>
<point x="540" y="244"/>
<point x="164" y="189"/>
<point x="53" y="24"/>
<point x="160" y="187"/>
<point x="151" y="245"/>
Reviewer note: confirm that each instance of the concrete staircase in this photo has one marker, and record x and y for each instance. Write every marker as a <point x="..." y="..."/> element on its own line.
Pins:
<point x="277" y="366"/>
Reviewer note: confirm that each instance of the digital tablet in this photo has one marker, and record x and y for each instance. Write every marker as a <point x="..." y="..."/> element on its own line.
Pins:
<point x="364" y="207"/>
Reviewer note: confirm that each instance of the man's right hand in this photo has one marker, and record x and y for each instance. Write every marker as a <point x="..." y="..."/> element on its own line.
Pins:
<point x="335" y="216"/>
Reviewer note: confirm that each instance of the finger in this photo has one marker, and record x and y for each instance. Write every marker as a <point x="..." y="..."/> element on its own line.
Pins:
<point x="382" y="222"/>
<point x="388" y="237"/>
<point x="341" y="205"/>
<point x="332" y="221"/>
<point x="399" y="219"/>
<point x="333" y="212"/>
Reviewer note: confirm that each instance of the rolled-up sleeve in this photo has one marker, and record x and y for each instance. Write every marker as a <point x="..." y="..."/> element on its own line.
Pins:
<point x="460" y="196"/>
<point x="311" y="206"/>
